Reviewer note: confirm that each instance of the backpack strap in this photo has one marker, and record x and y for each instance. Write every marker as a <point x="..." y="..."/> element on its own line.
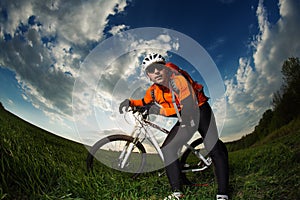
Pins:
<point x="173" y="87"/>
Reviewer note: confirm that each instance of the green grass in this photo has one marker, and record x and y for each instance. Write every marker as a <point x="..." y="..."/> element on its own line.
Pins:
<point x="35" y="164"/>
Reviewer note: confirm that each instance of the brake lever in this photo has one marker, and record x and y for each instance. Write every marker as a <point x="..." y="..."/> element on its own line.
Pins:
<point x="134" y="110"/>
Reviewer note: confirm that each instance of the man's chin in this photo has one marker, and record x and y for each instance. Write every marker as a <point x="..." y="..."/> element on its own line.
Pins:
<point x="159" y="81"/>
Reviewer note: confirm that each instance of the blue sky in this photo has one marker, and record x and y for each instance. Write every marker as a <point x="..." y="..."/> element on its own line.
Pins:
<point x="45" y="45"/>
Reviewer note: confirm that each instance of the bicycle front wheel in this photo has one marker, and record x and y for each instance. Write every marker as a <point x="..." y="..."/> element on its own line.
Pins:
<point x="195" y="169"/>
<point x="112" y="151"/>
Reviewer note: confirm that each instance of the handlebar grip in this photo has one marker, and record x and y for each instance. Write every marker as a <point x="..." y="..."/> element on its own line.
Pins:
<point x="143" y="110"/>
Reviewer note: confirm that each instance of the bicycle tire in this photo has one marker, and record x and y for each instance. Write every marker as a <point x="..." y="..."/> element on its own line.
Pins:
<point x="109" y="157"/>
<point x="190" y="161"/>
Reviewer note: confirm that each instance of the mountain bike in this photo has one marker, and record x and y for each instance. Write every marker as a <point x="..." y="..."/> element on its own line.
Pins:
<point x="127" y="152"/>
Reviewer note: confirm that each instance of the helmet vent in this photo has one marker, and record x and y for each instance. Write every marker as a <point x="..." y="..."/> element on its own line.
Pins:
<point x="153" y="58"/>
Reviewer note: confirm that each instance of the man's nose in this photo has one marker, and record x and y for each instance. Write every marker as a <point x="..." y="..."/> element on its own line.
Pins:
<point x="156" y="71"/>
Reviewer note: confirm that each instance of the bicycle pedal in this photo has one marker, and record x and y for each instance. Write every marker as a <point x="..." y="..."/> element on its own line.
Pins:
<point x="209" y="160"/>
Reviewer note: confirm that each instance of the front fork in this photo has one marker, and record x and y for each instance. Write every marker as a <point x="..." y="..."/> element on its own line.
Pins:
<point x="125" y="154"/>
<point x="127" y="150"/>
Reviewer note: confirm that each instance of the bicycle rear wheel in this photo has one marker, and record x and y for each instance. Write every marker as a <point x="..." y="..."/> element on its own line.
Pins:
<point x="193" y="168"/>
<point x="108" y="151"/>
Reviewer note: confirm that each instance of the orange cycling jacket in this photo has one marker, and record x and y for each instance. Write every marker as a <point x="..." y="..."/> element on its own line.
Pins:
<point x="163" y="96"/>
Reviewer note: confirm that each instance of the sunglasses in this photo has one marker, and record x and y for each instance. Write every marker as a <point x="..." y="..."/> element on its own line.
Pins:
<point x="152" y="68"/>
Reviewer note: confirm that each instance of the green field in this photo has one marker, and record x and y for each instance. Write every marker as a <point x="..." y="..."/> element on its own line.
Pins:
<point x="36" y="164"/>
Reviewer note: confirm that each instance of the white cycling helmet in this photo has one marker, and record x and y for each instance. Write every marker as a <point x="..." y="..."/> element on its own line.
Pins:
<point x="152" y="58"/>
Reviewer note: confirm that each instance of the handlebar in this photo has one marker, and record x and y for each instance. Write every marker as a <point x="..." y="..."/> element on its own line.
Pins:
<point x="143" y="110"/>
<point x="140" y="109"/>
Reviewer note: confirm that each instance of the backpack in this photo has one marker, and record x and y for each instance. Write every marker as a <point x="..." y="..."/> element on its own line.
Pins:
<point x="197" y="87"/>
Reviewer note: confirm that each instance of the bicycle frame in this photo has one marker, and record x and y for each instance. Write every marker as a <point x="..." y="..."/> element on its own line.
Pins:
<point x="141" y="125"/>
<point x="141" y="128"/>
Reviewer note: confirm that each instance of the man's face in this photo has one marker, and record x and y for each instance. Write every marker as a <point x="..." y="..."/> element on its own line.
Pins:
<point x="158" y="73"/>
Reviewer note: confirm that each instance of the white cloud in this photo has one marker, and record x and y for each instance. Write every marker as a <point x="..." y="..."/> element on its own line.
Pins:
<point x="117" y="29"/>
<point x="11" y="102"/>
<point x="250" y="92"/>
<point x="46" y="54"/>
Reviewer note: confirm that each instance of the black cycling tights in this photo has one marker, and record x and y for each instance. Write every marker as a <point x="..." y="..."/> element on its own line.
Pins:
<point x="218" y="151"/>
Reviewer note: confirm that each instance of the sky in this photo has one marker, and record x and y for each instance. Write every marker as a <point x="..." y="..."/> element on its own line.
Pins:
<point x="66" y="65"/>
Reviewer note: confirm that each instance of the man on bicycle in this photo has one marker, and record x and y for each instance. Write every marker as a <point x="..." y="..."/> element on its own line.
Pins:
<point x="171" y="95"/>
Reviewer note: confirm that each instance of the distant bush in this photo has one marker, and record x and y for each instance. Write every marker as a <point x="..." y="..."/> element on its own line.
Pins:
<point x="1" y="106"/>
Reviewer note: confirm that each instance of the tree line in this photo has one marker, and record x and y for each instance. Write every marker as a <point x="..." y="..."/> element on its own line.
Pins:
<point x="285" y="106"/>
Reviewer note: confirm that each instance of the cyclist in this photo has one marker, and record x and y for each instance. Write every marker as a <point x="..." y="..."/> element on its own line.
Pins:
<point x="171" y="95"/>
